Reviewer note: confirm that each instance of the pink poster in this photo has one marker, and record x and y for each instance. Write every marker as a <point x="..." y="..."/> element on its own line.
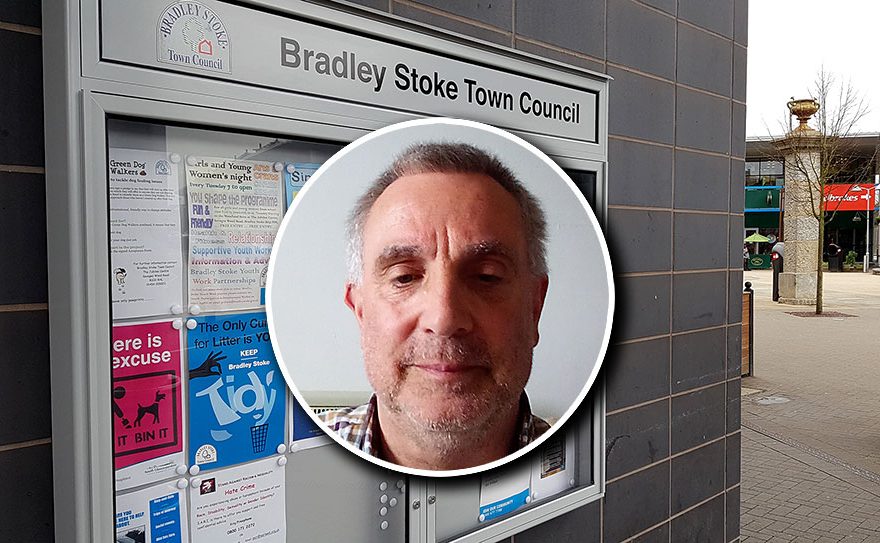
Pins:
<point x="146" y="396"/>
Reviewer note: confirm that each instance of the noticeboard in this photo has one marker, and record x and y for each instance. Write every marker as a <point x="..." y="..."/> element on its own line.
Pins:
<point x="158" y="305"/>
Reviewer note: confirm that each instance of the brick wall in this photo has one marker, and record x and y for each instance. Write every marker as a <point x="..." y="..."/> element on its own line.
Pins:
<point x="25" y="419"/>
<point x="676" y="148"/>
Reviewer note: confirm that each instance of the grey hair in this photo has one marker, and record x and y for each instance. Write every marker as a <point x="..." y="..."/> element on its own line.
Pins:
<point x="448" y="158"/>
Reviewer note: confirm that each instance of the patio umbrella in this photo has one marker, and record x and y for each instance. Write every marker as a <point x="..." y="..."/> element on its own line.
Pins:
<point x="756" y="238"/>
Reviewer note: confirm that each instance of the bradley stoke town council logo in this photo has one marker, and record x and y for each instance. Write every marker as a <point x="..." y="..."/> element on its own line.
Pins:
<point x="189" y="34"/>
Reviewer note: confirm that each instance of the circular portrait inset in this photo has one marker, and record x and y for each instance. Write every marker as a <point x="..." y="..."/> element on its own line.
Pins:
<point x="440" y="297"/>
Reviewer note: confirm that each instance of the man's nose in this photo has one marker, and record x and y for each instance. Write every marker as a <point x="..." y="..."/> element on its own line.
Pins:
<point x="445" y="310"/>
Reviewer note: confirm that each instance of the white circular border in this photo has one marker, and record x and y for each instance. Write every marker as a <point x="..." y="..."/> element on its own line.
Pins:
<point x="608" y="320"/>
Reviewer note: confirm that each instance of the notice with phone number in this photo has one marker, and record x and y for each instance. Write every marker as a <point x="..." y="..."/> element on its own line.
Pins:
<point x="244" y="504"/>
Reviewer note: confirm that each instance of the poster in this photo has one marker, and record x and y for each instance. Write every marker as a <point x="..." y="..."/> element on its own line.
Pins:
<point x="146" y="403"/>
<point x="236" y="391"/>
<point x="145" y="255"/>
<point x="295" y="176"/>
<point x="553" y="468"/>
<point x="504" y="490"/>
<point x="305" y="434"/>
<point x="242" y="505"/>
<point x="153" y="515"/>
<point x="234" y="212"/>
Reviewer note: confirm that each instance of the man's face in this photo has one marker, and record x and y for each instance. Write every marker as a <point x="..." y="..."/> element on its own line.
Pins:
<point x="448" y="306"/>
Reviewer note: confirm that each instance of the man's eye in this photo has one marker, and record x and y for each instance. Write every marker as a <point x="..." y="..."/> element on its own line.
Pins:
<point x="403" y="279"/>
<point x="489" y="278"/>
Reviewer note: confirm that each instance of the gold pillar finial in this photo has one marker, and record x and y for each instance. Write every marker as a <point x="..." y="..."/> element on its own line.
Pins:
<point x="803" y="109"/>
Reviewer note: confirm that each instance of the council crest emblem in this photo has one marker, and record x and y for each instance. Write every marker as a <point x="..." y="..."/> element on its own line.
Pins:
<point x="190" y="34"/>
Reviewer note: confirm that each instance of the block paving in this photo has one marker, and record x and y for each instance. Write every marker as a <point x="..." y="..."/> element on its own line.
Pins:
<point x="789" y="495"/>
<point x="811" y="455"/>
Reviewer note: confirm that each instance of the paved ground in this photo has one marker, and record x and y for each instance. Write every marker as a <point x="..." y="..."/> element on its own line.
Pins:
<point x="811" y="417"/>
<point x="789" y="494"/>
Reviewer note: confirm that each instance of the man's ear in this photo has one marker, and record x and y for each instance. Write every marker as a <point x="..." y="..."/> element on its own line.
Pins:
<point x="539" y="294"/>
<point x="352" y="299"/>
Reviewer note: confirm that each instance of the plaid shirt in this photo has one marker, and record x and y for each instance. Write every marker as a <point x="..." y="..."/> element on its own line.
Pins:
<point x="359" y="425"/>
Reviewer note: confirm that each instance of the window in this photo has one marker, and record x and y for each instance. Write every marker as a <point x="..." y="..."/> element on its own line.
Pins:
<point x="765" y="173"/>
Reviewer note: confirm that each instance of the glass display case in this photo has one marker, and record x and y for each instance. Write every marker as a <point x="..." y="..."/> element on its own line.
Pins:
<point x="165" y="192"/>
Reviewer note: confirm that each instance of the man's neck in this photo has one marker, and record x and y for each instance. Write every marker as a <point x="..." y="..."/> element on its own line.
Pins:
<point x="405" y="445"/>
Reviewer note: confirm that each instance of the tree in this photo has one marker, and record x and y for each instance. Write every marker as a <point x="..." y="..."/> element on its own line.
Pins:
<point x="816" y="157"/>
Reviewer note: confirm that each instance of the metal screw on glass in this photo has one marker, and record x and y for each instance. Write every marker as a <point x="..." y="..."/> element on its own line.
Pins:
<point x="416" y="504"/>
<point x="431" y="500"/>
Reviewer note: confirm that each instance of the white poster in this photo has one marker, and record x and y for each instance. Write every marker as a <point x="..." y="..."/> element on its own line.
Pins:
<point x="145" y="255"/>
<point x="235" y="207"/>
<point x="504" y="490"/>
<point x="153" y="515"/>
<point x="553" y="468"/>
<point x="242" y="504"/>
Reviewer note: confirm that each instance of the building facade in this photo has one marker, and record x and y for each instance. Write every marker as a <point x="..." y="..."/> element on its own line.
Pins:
<point x="851" y="210"/>
<point x="675" y="215"/>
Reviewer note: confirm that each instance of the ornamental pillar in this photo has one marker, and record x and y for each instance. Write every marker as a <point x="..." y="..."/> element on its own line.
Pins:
<point x="801" y="151"/>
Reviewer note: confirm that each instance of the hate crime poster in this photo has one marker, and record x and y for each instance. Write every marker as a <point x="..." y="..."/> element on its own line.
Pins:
<point x="234" y="210"/>
<point x="146" y="403"/>
<point x="236" y="391"/>
<point x="243" y="504"/>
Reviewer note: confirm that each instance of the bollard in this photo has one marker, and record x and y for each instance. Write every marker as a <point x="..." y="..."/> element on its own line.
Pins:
<point x="748" y="331"/>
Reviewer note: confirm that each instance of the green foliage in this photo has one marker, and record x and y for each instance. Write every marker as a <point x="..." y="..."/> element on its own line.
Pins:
<point x="850" y="259"/>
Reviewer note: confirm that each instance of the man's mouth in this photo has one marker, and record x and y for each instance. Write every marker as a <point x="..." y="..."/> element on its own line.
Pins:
<point x="448" y="371"/>
<point x="447" y="361"/>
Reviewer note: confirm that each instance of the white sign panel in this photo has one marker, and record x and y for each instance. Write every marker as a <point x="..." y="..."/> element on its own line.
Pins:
<point x="553" y="470"/>
<point x="242" y="504"/>
<point x="283" y="52"/>
<point x="504" y="490"/>
<point x="144" y="233"/>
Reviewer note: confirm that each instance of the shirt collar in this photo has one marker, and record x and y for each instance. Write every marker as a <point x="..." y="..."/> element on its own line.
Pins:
<point x="529" y="428"/>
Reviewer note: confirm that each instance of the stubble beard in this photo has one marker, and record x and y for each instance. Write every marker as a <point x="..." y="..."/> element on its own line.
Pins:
<point x="472" y="408"/>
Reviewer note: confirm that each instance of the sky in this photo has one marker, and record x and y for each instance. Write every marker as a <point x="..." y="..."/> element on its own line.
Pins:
<point x="790" y="40"/>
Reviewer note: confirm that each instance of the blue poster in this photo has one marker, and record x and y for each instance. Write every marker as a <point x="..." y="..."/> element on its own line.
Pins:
<point x="295" y="176"/>
<point x="236" y="391"/>
<point x="155" y="514"/>
<point x="165" y="519"/>
<point x="303" y="426"/>
<point x="502" y="507"/>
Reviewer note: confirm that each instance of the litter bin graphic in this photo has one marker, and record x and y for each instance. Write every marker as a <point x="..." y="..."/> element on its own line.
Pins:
<point x="258" y="437"/>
